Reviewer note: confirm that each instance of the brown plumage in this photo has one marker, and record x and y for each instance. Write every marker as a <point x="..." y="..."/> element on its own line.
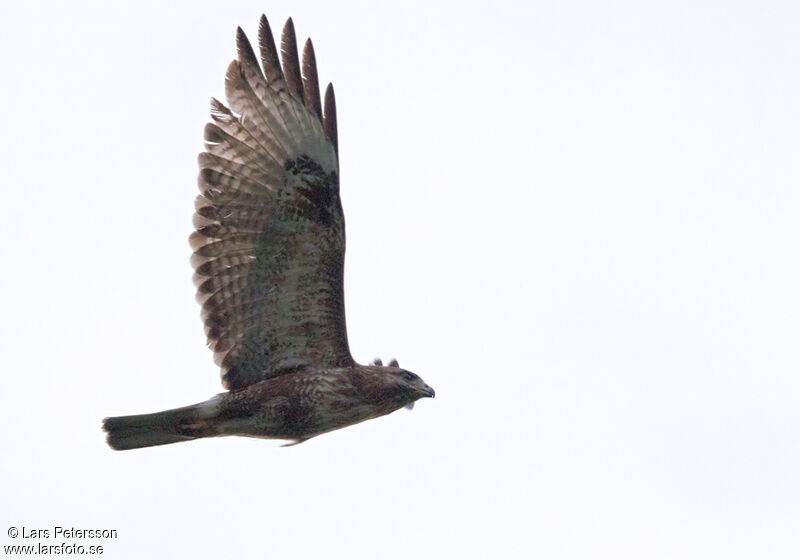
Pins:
<point x="268" y="256"/>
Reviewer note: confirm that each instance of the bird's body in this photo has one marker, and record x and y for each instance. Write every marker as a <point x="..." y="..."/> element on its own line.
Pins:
<point x="269" y="248"/>
<point x="295" y="406"/>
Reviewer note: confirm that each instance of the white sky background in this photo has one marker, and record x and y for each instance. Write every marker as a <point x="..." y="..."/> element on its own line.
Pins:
<point x="578" y="221"/>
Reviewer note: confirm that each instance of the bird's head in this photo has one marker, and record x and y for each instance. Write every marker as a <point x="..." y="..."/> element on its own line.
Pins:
<point x="400" y="386"/>
<point x="411" y="384"/>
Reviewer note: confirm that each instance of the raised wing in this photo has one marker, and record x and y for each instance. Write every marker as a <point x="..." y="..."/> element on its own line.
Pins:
<point x="269" y="240"/>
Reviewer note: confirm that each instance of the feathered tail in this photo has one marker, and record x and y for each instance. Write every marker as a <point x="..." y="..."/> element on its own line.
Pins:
<point x="158" y="428"/>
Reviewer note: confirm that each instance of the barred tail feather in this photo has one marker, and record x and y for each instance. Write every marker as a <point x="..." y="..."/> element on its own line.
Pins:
<point x="158" y="428"/>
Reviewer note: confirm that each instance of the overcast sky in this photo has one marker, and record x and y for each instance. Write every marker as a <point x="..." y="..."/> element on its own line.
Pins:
<point x="577" y="221"/>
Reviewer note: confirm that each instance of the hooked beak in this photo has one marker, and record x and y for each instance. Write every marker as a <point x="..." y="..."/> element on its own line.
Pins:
<point x="426" y="391"/>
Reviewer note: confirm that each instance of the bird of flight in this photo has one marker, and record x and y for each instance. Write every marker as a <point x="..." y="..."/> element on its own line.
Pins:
<point x="269" y="266"/>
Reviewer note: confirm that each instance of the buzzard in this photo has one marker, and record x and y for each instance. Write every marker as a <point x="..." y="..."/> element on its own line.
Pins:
<point x="268" y="255"/>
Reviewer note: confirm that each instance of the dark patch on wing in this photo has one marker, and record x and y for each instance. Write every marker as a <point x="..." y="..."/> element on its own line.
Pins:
<point x="317" y="195"/>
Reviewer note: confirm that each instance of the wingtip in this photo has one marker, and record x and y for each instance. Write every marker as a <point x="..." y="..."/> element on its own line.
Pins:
<point x="311" y="80"/>
<point x="241" y="40"/>
<point x="291" y="61"/>
<point x="288" y="33"/>
<point x="329" y="118"/>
